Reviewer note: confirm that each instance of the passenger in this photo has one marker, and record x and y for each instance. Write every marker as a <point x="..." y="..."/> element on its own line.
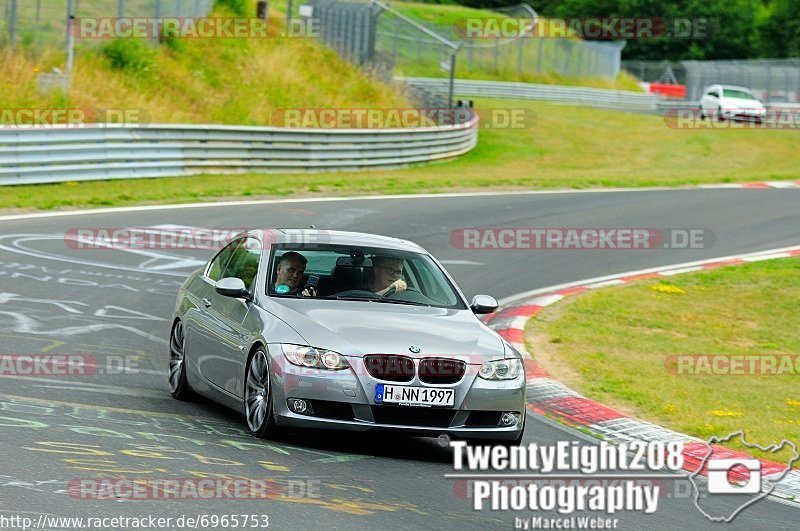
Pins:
<point x="387" y="275"/>
<point x="289" y="273"/>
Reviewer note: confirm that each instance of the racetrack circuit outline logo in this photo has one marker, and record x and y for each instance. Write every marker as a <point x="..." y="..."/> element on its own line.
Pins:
<point x="719" y="471"/>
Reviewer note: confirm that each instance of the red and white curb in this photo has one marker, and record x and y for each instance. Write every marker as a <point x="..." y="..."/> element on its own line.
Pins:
<point x="759" y="184"/>
<point x="553" y="399"/>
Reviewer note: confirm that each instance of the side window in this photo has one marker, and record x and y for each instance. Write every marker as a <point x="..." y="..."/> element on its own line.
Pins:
<point x="428" y="285"/>
<point x="220" y="262"/>
<point x="244" y="261"/>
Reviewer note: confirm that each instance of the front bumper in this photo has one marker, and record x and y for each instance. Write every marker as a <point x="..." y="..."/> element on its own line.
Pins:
<point x="345" y="400"/>
<point x="744" y="114"/>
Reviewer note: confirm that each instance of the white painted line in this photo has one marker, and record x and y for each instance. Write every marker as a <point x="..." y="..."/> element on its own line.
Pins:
<point x="605" y="283"/>
<point x="783" y="184"/>
<point x="681" y="270"/>
<point x="720" y="186"/>
<point x="114" y="210"/>
<point x="766" y="257"/>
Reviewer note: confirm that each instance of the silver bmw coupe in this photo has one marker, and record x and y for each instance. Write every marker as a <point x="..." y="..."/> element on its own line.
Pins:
<point x="305" y="328"/>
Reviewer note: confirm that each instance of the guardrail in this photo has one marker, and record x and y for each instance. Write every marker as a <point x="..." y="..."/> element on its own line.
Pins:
<point x="592" y="97"/>
<point x="29" y="156"/>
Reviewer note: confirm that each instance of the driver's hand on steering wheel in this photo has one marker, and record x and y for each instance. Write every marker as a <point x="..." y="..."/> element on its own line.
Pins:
<point x="398" y="285"/>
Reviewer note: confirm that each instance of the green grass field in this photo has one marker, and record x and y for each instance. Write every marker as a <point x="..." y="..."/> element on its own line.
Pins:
<point x="621" y="346"/>
<point x="566" y="147"/>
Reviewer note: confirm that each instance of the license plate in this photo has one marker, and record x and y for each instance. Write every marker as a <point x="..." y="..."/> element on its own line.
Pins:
<point x="414" y="396"/>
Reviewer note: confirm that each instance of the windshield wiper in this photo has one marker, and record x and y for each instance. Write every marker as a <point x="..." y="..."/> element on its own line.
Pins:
<point x="398" y="301"/>
<point x="378" y="299"/>
<point x="356" y="298"/>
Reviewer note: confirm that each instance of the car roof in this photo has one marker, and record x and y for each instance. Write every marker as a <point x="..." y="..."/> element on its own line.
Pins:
<point x="336" y="237"/>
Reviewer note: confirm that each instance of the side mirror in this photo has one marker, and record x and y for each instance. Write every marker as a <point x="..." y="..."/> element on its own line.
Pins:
<point x="482" y="304"/>
<point x="232" y="287"/>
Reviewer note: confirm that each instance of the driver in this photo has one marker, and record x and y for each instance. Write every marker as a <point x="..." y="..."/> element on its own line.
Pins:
<point x="288" y="274"/>
<point x="387" y="275"/>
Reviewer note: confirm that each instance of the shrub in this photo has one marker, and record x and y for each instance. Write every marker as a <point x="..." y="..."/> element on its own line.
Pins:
<point x="131" y="55"/>
<point x="237" y="7"/>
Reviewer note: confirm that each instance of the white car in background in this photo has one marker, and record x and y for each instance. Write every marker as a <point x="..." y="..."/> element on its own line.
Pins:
<point x="732" y="103"/>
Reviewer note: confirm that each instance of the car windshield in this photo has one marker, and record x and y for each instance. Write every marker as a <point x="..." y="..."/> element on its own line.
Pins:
<point x="367" y="274"/>
<point x="737" y="93"/>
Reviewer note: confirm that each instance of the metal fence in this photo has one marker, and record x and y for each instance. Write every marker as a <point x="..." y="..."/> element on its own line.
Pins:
<point x="772" y="80"/>
<point x="348" y="28"/>
<point x="590" y="97"/>
<point x="40" y="24"/>
<point x="103" y="151"/>
<point x="417" y="54"/>
<point x="376" y="35"/>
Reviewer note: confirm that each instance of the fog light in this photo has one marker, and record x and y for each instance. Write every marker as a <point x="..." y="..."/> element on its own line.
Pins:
<point x="299" y="406"/>
<point x="509" y="419"/>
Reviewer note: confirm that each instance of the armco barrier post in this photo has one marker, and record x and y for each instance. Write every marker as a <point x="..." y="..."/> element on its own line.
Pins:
<point x="262" y="10"/>
<point x="70" y="38"/>
<point x="12" y="23"/>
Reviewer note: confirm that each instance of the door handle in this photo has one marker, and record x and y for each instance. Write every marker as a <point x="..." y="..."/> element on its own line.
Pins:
<point x="207" y="303"/>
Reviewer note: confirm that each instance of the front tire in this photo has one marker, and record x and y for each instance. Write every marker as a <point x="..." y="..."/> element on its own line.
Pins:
<point x="178" y="385"/>
<point x="258" y="403"/>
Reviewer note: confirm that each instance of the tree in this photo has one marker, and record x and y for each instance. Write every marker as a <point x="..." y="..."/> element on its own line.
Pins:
<point x="779" y="32"/>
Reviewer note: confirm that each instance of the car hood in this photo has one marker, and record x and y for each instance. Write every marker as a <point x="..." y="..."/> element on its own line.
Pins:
<point x="355" y="328"/>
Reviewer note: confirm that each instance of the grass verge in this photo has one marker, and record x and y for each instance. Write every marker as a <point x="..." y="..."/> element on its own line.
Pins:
<point x="566" y="147"/>
<point x="628" y="347"/>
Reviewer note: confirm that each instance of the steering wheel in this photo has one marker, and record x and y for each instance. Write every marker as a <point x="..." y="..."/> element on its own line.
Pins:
<point x="392" y="290"/>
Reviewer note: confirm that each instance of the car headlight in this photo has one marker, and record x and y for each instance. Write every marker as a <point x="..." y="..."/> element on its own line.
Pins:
<point x="314" y="358"/>
<point x="506" y="369"/>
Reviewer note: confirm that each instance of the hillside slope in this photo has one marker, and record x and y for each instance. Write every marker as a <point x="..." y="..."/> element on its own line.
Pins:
<point x="227" y="81"/>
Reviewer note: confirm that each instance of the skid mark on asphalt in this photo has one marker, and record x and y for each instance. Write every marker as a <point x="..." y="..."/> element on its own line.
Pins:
<point x="154" y="261"/>
<point x="183" y="423"/>
<point x="119" y="443"/>
<point x="26" y="325"/>
<point x="17" y="247"/>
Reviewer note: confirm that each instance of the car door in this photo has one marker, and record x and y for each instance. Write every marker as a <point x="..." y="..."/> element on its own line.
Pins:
<point x="228" y="343"/>
<point x="200" y="331"/>
<point x="710" y="101"/>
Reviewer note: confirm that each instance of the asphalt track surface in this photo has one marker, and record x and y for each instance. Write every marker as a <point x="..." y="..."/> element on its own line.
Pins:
<point x="115" y="306"/>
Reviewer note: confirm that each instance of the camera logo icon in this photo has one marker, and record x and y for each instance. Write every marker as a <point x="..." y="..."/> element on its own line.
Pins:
<point x="718" y="476"/>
